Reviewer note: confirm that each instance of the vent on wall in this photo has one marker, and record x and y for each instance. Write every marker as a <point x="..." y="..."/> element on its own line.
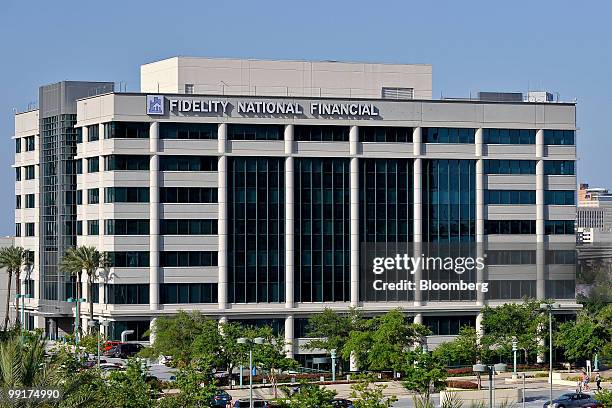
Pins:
<point x="397" y="93"/>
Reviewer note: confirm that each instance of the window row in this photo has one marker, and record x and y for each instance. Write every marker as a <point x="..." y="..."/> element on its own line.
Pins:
<point x="314" y="133"/>
<point x="126" y="227"/>
<point x="129" y="259"/>
<point x="510" y="167"/>
<point x="169" y="130"/>
<point x="448" y="135"/>
<point x="29" y="229"/>
<point x="126" y="195"/>
<point x="385" y="134"/>
<point x="188" y="195"/>
<point x="188" y="227"/>
<point x="126" y="130"/>
<point x="528" y="257"/>
<point x="188" y="163"/>
<point x="187" y="258"/>
<point x="255" y="132"/>
<point x="509" y="136"/>
<point x="126" y="162"/>
<point x="173" y="293"/>
<point x="559" y="167"/>
<point x="559" y="197"/>
<point x="559" y="137"/>
<point x="30" y="201"/>
<point x="28" y="144"/>
<point x="559" y="227"/>
<point x="509" y="197"/>
<point x="29" y="172"/>
<point x="510" y="227"/>
<point x="127" y="294"/>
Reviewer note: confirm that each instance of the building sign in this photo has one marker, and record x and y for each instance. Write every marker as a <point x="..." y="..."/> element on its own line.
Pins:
<point x="218" y="107"/>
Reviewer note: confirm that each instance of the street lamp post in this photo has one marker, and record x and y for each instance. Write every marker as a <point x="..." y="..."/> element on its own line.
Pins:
<point x="333" y="361"/>
<point x="98" y="323"/>
<point x="549" y="307"/>
<point x="77" y="319"/>
<point x="250" y="343"/>
<point x="490" y="369"/>
<point x="22" y="311"/>
<point x="514" y="350"/>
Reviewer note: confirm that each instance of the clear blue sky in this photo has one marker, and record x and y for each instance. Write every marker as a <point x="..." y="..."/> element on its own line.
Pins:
<point x="563" y="46"/>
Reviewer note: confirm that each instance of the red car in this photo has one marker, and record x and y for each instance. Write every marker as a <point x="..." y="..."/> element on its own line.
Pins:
<point x="109" y="345"/>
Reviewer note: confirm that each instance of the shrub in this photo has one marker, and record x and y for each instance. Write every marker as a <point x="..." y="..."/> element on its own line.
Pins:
<point x="464" y="385"/>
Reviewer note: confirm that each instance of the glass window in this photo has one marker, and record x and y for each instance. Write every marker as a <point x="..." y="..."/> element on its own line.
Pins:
<point x="93" y="196"/>
<point x="503" y="227"/>
<point x="510" y="197"/>
<point x="255" y="132"/>
<point x="93" y="164"/>
<point x="29" y="229"/>
<point x="18" y="145"/>
<point x="169" y="130"/>
<point x="127" y="293"/>
<point x="93" y="227"/>
<point x="126" y="130"/>
<point x="559" y="197"/>
<point x="188" y="195"/>
<point x="385" y="134"/>
<point x="559" y="167"/>
<point x="314" y="133"/>
<point x="29" y="201"/>
<point x="17" y="201"/>
<point x="188" y="163"/>
<point x="448" y="135"/>
<point x="188" y="227"/>
<point x="187" y="258"/>
<point x="126" y="195"/>
<point x="93" y="133"/>
<point x="172" y="293"/>
<point x="559" y="227"/>
<point x="29" y="143"/>
<point x="79" y="227"/>
<point x="17" y="173"/>
<point x="126" y="162"/>
<point x="129" y="259"/>
<point x="126" y="227"/>
<point x="29" y="172"/>
<point x="508" y="136"/>
<point x="559" y="137"/>
<point x="509" y="166"/>
<point x="17" y="229"/>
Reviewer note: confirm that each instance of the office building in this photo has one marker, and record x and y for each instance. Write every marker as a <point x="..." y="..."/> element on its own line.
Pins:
<point x="247" y="189"/>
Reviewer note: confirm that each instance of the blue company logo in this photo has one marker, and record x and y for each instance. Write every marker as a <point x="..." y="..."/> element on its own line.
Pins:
<point x="155" y="105"/>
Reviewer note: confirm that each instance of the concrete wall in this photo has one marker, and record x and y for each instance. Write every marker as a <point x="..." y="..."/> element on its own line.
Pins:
<point x="225" y="76"/>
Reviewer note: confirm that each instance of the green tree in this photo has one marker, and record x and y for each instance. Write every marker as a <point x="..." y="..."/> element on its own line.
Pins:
<point x="23" y="365"/>
<point x="129" y="389"/>
<point x="13" y="258"/>
<point x="581" y="339"/>
<point x="464" y="348"/>
<point x="87" y="259"/>
<point x="524" y="321"/>
<point x="175" y="336"/>
<point x="381" y="342"/>
<point x="309" y="395"/>
<point x="366" y="394"/>
<point x="423" y="374"/>
<point x="196" y="386"/>
<point x="271" y="355"/>
<point x="330" y="330"/>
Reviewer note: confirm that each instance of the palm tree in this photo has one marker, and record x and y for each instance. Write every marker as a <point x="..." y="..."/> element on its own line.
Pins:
<point x="13" y="258"/>
<point x="88" y="259"/>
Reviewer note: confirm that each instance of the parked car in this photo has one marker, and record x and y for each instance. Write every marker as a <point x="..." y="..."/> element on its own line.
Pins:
<point x="342" y="403"/>
<point x="572" y="399"/>
<point x="124" y="350"/>
<point x="110" y="344"/>
<point x="110" y="366"/>
<point x="257" y="403"/>
<point x="221" y="399"/>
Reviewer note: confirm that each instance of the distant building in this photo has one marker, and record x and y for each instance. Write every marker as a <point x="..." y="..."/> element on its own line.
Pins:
<point x="594" y="214"/>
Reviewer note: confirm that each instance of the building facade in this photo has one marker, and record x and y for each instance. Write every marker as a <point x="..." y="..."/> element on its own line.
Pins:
<point x="256" y="206"/>
<point x="594" y="215"/>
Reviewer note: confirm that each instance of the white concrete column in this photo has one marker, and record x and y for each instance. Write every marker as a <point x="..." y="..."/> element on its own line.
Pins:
<point x="480" y="220"/>
<point x="479" y="329"/>
<point x="417" y="225"/>
<point x="418" y="318"/>
<point x="289" y="231"/>
<point x="354" y="140"/>
<point x="289" y="130"/>
<point x="154" y="204"/>
<point x="354" y="212"/>
<point x="101" y="279"/>
<point x="289" y="336"/>
<point x="416" y="141"/>
<point x="222" y="218"/>
<point x="353" y="366"/>
<point x="153" y="332"/>
<point x="540" y="217"/>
